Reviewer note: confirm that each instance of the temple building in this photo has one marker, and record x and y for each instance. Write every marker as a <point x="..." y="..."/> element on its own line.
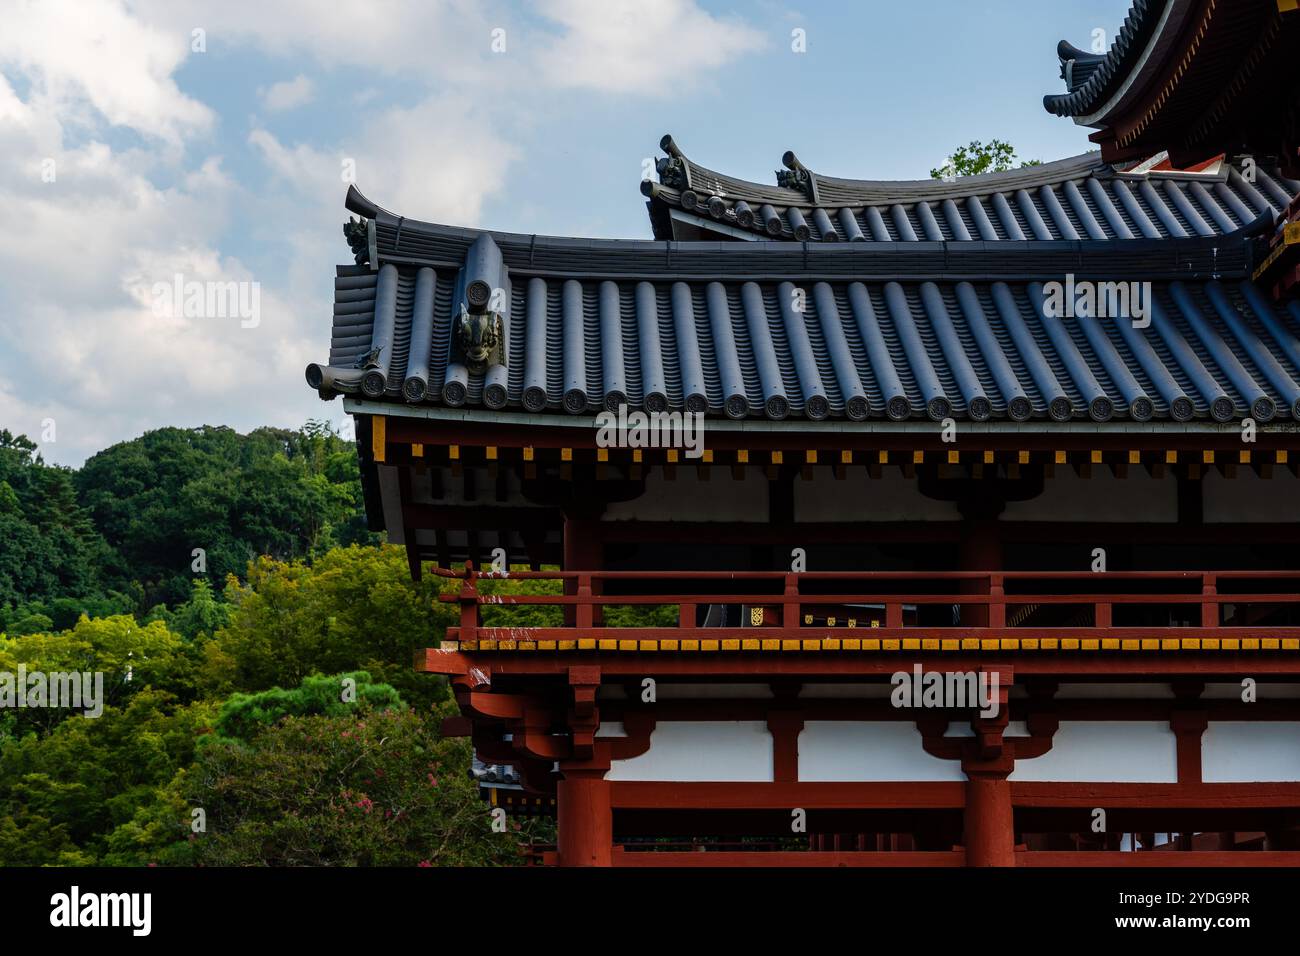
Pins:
<point x="988" y="552"/>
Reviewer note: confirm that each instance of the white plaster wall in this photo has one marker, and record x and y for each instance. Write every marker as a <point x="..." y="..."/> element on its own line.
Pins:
<point x="1103" y="497"/>
<point x="1247" y="497"/>
<point x="1106" y="751"/>
<point x="845" y="751"/>
<point x="1239" y="751"/>
<point x="686" y="498"/>
<point x="692" y="751"/>
<point x="891" y="497"/>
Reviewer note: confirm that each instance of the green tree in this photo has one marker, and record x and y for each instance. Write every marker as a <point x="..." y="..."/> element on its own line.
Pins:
<point x="50" y="546"/>
<point x="245" y="715"/>
<point x="64" y="794"/>
<point x="363" y="789"/>
<point x="130" y="657"/>
<point x="277" y="492"/>
<point x="353" y="608"/>
<point x="975" y="158"/>
<point x="199" y="618"/>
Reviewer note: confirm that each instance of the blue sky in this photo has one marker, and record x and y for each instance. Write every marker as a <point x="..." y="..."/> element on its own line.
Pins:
<point x="209" y="139"/>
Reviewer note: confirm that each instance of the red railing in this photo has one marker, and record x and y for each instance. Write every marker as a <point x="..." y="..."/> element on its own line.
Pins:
<point x="1029" y="604"/>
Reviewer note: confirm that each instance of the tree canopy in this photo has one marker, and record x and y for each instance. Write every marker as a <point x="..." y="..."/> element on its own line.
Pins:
<point x="259" y="707"/>
<point x="275" y="492"/>
<point x="976" y="157"/>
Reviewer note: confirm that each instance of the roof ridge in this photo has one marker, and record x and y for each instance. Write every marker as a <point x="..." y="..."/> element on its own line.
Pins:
<point x="684" y="173"/>
<point x="440" y="245"/>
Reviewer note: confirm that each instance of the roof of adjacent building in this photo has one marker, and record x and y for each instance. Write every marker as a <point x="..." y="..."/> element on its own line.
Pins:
<point x="888" y="330"/>
<point x="1077" y="198"/>
<point x="1092" y="79"/>
<point x="1191" y="77"/>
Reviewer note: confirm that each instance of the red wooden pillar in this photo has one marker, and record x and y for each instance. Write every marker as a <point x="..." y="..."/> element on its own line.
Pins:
<point x="981" y="550"/>
<point x="785" y="727"/>
<point x="582" y="552"/>
<point x="988" y="825"/>
<point x="584" y="817"/>
<point x="582" y="549"/>
<point x="1188" y="727"/>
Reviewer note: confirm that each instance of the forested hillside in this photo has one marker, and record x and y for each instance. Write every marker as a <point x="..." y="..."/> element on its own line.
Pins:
<point x="254" y="639"/>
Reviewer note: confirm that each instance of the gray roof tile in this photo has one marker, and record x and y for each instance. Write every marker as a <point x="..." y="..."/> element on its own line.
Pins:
<point x="1080" y="197"/>
<point x="898" y="330"/>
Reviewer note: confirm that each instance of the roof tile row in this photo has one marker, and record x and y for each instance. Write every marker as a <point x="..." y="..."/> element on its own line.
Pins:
<point x="884" y="350"/>
<point x="1079" y="198"/>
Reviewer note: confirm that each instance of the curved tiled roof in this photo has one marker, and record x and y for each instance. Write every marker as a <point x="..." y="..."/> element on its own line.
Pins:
<point x="1077" y="198"/>
<point x="892" y="331"/>
<point x="1190" y="77"/>
<point x="1092" y="79"/>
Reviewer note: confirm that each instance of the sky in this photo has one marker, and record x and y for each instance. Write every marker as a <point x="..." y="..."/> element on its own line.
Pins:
<point x="149" y="148"/>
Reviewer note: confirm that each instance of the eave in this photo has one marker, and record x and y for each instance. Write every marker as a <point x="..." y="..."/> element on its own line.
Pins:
<point x="1211" y="76"/>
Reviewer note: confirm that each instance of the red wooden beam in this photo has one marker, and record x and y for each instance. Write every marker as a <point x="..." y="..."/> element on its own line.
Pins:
<point x="784" y="858"/>
<point x="755" y="666"/>
<point x="1218" y="796"/>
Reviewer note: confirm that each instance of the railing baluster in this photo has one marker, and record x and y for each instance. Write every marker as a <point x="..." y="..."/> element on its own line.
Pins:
<point x="1209" y="609"/>
<point x="790" y="609"/>
<point x="584" y="617"/>
<point x="1102" y="615"/>
<point x="686" y="615"/>
<point x="987" y="591"/>
<point x="997" y="601"/>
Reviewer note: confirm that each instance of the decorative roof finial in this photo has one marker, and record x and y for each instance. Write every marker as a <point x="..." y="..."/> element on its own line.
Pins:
<point x="796" y="176"/>
<point x="356" y="231"/>
<point x="674" y="171"/>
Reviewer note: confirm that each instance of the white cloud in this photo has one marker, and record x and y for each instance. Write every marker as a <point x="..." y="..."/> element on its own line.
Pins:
<point x="435" y="38"/>
<point x="635" y="47"/>
<point x="288" y="94"/>
<point x="81" y="342"/>
<point x="94" y="52"/>
<point x="645" y="47"/>
<point x="438" y="160"/>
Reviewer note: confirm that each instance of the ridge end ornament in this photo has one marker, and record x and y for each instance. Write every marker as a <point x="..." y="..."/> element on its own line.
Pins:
<point x="357" y="232"/>
<point x="479" y="340"/>
<point x="796" y="176"/>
